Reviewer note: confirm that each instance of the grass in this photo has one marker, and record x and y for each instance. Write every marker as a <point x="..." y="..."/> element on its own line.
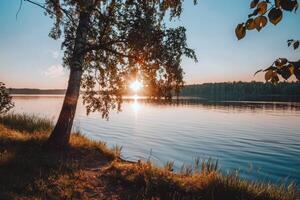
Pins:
<point x="90" y="170"/>
<point x="29" y="171"/>
<point x="150" y="182"/>
<point x="26" y="123"/>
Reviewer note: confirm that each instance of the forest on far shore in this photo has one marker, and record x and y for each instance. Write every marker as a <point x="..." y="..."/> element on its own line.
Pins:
<point x="283" y="91"/>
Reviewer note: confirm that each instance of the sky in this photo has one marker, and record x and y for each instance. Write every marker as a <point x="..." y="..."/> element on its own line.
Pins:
<point x="31" y="59"/>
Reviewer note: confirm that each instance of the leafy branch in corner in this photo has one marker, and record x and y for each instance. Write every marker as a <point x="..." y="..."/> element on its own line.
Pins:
<point x="281" y="67"/>
<point x="264" y="12"/>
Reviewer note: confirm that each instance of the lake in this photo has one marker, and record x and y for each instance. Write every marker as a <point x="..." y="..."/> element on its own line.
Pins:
<point x="260" y="140"/>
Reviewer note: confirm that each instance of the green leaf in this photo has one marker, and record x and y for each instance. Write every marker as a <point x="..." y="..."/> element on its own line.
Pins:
<point x="262" y="7"/>
<point x="275" y="15"/>
<point x="240" y="31"/>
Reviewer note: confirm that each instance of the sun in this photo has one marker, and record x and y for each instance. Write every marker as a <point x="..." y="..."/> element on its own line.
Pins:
<point x="136" y="85"/>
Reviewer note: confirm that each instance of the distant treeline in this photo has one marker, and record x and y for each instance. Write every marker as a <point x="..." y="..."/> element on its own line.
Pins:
<point x="283" y="91"/>
<point x="245" y="91"/>
<point x="35" y="91"/>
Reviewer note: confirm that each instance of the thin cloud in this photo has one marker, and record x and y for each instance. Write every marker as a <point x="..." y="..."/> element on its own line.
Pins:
<point x="54" y="71"/>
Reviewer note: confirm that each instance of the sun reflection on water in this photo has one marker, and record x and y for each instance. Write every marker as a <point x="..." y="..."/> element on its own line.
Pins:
<point x="135" y="104"/>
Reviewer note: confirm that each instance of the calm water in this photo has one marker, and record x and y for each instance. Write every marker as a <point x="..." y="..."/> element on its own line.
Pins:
<point x="261" y="140"/>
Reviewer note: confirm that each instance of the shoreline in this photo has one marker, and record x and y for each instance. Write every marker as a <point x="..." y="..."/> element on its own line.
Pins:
<point x="103" y="175"/>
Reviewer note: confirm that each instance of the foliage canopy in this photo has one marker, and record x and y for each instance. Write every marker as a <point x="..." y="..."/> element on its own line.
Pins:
<point x="126" y="40"/>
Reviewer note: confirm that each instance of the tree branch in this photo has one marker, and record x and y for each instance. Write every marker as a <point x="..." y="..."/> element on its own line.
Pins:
<point x="97" y="47"/>
<point x="21" y="3"/>
<point x="48" y="10"/>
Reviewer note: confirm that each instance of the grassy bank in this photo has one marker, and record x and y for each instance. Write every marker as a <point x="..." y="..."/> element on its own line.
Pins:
<point x="90" y="170"/>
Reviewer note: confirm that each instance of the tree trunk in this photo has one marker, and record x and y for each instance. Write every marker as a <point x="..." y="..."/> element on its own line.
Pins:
<point x="60" y="136"/>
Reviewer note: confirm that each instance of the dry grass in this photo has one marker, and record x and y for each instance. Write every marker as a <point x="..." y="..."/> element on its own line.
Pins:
<point x="26" y="123"/>
<point x="146" y="181"/>
<point x="90" y="170"/>
<point x="30" y="171"/>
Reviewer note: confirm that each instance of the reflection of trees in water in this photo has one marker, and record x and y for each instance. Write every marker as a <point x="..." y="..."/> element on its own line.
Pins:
<point x="190" y="102"/>
<point x="223" y="105"/>
<point x="37" y="96"/>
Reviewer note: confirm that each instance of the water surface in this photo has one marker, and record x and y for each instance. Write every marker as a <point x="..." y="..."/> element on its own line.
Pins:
<point x="259" y="139"/>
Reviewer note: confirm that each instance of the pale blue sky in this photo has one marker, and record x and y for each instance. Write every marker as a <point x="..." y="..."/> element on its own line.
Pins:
<point x="29" y="58"/>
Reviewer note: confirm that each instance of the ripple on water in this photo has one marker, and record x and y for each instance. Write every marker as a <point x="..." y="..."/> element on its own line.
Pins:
<point x="261" y="140"/>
